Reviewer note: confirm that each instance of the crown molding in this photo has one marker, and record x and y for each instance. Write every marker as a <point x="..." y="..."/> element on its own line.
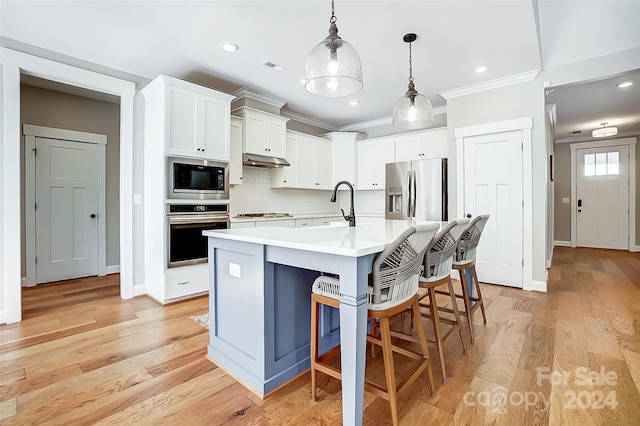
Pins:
<point x="260" y="97"/>
<point x="589" y="138"/>
<point x="490" y="85"/>
<point x="383" y="121"/>
<point x="308" y="120"/>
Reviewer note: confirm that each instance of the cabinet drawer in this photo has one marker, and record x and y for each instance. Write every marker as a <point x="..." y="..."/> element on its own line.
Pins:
<point x="187" y="280"/>
<point x="303" y="222"/>
<point x="236" y="225"/>
<point x="287" y="223"/>
<point x="323" y="220"/>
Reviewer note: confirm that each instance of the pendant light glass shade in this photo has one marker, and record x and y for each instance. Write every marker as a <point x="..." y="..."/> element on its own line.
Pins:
<point x="412" y="111"/>
<point x="333" y="67"/>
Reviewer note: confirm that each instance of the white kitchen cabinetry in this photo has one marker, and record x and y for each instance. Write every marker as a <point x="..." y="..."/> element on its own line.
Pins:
<point x="181" y="119"/>
<point x="197" y="120"/>
<point x="310" y="159"/>
<point x="263" y="133"/>
<point x="315" y="162"/>
<point x="344" y="161"/>
<point x="422" y="145"/>
<point x="283" y="223"/>
<point x="288" y="176"/>
<point x="243" y="224"/>
<point x="372" y="156"/>
<point x="235" y="142"/>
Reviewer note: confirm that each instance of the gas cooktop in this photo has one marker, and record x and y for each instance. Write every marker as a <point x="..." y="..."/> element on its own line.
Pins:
<point x="260" y="215"/>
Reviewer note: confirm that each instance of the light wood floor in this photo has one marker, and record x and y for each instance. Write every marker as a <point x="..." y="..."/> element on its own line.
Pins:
<point x="84" y="356"/>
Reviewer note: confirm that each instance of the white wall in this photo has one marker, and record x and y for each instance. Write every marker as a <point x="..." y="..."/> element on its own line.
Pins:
<point x="507" y="103"/>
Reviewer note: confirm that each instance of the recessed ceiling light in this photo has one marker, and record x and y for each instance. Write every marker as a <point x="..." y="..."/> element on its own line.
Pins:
<point x="625" y="84"/>
<point x="229" y="47"/>
<point x="481" y="69"/>
<point x="354" y="103"/>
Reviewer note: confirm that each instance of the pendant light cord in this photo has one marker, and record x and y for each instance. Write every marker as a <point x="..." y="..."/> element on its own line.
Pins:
<point x="333" y="14"/>
<point x="410" y="67"/>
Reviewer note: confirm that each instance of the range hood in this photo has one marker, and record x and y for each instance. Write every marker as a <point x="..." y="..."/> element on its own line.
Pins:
<point x="264" y="161"/>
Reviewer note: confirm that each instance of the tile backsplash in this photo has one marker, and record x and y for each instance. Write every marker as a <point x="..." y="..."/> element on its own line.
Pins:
<point x="256" y="196"/>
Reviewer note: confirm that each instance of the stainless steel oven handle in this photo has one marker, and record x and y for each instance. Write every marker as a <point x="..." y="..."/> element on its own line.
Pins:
<point x="196" y="219"/>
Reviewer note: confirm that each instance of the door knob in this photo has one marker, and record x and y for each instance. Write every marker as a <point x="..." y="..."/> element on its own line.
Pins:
<point x="93" y="216"/>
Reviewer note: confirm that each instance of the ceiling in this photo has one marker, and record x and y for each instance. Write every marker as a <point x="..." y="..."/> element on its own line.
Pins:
<point x="140" y="40"/>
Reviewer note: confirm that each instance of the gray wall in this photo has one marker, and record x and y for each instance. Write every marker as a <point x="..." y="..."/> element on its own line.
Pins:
<point x="49" y="108"/>
<point x="562" y="212"/>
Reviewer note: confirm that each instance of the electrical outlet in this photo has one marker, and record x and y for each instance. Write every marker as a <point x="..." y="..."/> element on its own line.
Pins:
<point x="235" y="270"/>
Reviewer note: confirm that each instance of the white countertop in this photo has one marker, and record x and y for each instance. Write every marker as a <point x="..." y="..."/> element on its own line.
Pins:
<point x="337" y="238"/>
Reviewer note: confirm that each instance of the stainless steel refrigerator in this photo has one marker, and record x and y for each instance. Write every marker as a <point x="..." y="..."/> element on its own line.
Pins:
<point x="417" y="190"/>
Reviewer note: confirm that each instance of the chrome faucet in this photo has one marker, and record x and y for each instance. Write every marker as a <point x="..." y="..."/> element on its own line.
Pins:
<point x="352" y="216"/>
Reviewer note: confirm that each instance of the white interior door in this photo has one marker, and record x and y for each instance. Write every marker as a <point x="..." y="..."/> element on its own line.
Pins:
<point x="493" y="185"/>
<point x="66" y="200"/>
<point x="602" y="193"/>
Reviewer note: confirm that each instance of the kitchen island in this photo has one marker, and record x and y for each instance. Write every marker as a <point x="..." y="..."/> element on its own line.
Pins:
<point x="259" y="301"/>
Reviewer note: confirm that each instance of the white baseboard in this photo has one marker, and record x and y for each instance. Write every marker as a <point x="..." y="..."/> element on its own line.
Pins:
<point x="562" y="243"/>
<point x="113" y="269"/>
<point x="139" y="290"/>
<point x="635" y="249"/>
<point x="3" y="317"/>
<point x="23" y="281"/>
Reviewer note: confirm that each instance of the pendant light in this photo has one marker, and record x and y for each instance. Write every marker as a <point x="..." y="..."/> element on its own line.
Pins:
<point x="413" y="110"/>
<point x="604" y="131"/>
<point x="333" y="66"/>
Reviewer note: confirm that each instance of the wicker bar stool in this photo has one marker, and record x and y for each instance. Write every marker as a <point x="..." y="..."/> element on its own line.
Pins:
<point x="393" y="289"/>
<point x="438" y="261"/>
<point x="466" y="259"/>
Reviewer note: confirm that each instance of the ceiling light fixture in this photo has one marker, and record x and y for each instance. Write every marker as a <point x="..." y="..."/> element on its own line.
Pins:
<point x="333" y="66"/>
<point x="604" y="131"/>
<point x="481" y="69"/>
<point x="625" y="84"/>
<point x="413" y="110"/>
<point x="229" y="47"/>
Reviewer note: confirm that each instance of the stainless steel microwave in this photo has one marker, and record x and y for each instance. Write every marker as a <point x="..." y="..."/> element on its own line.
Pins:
<point x="197" y="179"/>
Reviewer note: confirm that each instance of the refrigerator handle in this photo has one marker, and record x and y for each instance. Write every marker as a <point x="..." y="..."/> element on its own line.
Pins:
<point x="413" y="196"/>
<point x="409" y="193"/>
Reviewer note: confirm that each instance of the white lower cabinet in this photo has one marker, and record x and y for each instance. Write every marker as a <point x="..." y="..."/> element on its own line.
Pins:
<point x="317" y="221"/>
<point x="187" y="281"/>
<point x="286" y="223"/>
<point x="243" y="224"/>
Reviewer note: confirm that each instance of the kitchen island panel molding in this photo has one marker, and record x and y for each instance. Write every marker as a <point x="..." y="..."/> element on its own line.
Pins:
<point x="260" y="320"/>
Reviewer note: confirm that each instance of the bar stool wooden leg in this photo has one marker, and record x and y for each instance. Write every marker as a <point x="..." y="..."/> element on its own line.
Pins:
<point x="433" y="307"/>
<point x="467" y="304"/>
<point x="423" y="344"/>
<point x="389" y="370"/>
<point x="480" y="300"/>
<point x="315" y="306"/>
<point x="456" y="313"/>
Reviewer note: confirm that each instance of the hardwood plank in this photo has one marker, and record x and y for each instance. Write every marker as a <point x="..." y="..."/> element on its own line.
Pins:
<point x="145" y="363"/>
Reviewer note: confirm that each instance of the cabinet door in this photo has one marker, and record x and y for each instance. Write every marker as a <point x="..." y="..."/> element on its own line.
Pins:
<point x="215" y="134"/>
<point x="276" y="138"/>
<point x="235" y="148"/>
<point x="409" y="148"/>
<point x="366" y="165"/>
<point x="288" y="177"/>
<point x="385" y="153"/>
<point x="255" y="134"/>
<point x="323" y="165"/>
<point x="182" y="110"/>
<point x="307" y="163"/>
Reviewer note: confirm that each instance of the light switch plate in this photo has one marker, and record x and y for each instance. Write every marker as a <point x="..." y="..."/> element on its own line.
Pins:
<point x="137" y="198"/>
<point x="565" y="200"/>
<point x="235" y="270"/>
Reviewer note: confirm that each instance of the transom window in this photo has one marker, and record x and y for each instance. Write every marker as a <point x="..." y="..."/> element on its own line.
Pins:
<point x="602" y="164"/>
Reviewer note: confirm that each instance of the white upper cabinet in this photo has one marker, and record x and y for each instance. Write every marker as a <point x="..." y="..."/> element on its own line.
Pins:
<point x="372" y="157"/>
<point x="344" y="158"/>
<point x="235" y="142"/>
<point x="422" y="145"/>
<point x="197" y="120"/>
<point x="264" y="133"/>
<point x="310" y="159"/>
<point x="288" y="177"/>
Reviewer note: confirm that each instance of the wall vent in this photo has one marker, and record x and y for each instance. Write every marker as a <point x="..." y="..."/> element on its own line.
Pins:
<point x="274" y="66"/>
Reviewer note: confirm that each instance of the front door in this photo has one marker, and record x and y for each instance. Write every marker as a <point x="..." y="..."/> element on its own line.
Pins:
<point x="602" y="191"/>
<point x="66" y="210"/>
<point x="493" y="185"/>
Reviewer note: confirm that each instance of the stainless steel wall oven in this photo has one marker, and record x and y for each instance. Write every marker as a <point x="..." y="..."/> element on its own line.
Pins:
<point x="185" y="223"/>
